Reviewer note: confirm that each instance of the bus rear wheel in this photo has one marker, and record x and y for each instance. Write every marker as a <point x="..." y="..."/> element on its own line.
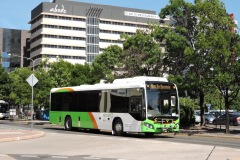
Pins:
<point x="68" y="123"/>
<point x="118" y="127"/>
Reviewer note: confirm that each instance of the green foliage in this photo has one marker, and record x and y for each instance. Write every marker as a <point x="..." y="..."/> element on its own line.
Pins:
<point x="203" y="45"/>
<point x="60" y="72"/>
<point x="142" y="55"/>
<point x="5" y="84"/>
<point x="21" y="92"/>
<point x="105" y="65"/>
<point x="187" y="107"/>
<point x="42" y="88"/>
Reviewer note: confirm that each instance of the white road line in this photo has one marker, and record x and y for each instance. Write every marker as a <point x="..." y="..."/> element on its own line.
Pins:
<point x="138" y="140"/>
<point x="3" y="155"/>
<point x="91" y="158"/>
<point x="11" y="133"/>
<point x="124" y="139"/>
<point x="157" y="142"/>
<point x="63" y="157"/>
<point x="30" y="156"/>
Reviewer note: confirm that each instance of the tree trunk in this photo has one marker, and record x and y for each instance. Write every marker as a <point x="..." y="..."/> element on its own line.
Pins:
<point x="201" y="96"/>
<point x="227" y="111"/>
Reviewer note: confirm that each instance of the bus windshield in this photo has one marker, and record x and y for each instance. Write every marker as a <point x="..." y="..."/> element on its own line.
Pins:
<point x="162" y="99"/>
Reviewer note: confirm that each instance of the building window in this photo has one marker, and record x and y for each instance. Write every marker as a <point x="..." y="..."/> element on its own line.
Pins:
<point x="79" y="29"/>
<point x="65" y="18"/>
<point x="65" y="27"/>
<point x="79" y="19"/>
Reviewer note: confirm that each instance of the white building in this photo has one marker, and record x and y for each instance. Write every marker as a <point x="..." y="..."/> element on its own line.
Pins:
<point x="77" y="32"/>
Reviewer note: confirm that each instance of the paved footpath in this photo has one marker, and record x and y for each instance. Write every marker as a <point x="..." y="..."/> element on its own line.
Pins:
<point x="16" y="135"/>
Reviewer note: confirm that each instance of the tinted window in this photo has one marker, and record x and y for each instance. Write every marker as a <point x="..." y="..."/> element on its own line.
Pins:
<point x="75" y="101"/>
<point x="119" y="100"/>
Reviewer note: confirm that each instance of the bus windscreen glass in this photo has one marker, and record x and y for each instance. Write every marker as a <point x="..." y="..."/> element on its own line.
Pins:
<point x="162" y="99"/>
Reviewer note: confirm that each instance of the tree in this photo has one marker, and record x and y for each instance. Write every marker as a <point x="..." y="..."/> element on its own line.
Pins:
<point x="226" y="73"/>
<point x="198" y="25"/>
<point x="5" y="85"/>
<point x="42" y="88"/>
<point x="60" y="73"/>
<point x="81" y="74"/>
<point x="142" y="55"/>
<point x="21" y="91"/>
<point x="106" y="65"/>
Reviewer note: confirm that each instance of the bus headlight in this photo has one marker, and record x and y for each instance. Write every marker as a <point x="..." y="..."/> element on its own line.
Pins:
<point x="148" y="125"/>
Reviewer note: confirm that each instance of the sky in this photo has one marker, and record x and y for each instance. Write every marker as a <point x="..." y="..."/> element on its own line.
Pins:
<point x="15" y="14"/>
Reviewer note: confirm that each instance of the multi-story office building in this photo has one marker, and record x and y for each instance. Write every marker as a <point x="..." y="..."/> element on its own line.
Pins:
<point x="14" y="45"/>
<point x="77" y="32"/>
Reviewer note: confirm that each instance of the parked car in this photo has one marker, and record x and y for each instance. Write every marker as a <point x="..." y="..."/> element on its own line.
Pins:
<point x="197" y="118"/>
<point x="209" y="118"/>
<point x="234" y="119"/>
<point x="217" y="113"/>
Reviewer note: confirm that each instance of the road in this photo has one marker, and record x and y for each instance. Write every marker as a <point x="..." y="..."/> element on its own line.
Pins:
<point x="82" y="145"/>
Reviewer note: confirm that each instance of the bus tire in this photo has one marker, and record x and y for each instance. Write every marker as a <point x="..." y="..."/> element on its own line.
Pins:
<point x="68" y="123"/>
<point x="118" y="127"/>
<point x="149" y="134"/>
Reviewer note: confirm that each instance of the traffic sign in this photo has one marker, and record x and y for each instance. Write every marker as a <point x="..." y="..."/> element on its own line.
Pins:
<point x="32" y="80"/>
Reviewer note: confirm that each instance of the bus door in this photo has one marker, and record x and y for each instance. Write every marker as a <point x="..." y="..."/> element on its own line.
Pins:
<point x="136" y="108"/>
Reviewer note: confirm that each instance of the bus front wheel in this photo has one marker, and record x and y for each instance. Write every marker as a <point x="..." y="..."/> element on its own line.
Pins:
<point x="118" y="127"/>
<point x="68" y="124"/>
<point x="149" y="134"/>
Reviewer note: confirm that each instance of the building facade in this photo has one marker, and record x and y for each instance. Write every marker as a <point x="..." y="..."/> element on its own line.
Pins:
<point x="77" y="32"/>
<point x="14" y="45"/>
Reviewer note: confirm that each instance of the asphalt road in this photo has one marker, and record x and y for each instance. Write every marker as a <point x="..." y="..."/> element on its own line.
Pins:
<point x="233" y="143"/>
<point x="83" y="145"/>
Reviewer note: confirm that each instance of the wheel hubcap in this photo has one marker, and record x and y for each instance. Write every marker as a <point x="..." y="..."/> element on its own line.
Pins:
<point x="118" y="127"/>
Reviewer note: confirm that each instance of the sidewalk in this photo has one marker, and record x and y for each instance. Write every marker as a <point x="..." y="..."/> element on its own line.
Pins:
<point x="16" y="135"/>
<point x="204" y="131"/>
<point x="7" y="135"/>
<point x="210" y="131"/>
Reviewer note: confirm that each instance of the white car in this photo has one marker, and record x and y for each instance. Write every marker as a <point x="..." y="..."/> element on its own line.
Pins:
<point x="197" y="118"/>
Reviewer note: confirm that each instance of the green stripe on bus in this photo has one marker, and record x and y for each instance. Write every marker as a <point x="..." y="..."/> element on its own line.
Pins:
<point x="79" y="119"/>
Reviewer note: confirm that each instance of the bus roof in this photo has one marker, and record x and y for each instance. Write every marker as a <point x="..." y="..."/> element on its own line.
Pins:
<point x="135" y="82"/>
<point x="140" y="79"/>
<point x="2" y="101"/>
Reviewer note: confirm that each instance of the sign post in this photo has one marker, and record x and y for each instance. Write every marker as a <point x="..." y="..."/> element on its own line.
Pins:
<point x="32" y="80"/>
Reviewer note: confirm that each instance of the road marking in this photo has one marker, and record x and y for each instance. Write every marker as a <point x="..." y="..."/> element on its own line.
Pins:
<point x="91" y="158"/>
<point x="11" y="133"/>
<point x="124" y="139"/>
<point x="30" y="156"/>
<point x="157" y="142"/>
<point x="138" y="140"/>
<point x="63" y="157"/>
<point x="3" y="155"/>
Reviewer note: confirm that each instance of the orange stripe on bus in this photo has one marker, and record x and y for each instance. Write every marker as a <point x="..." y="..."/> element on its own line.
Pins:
<point x="65" y="90"/>
<point x="93" y="120"/>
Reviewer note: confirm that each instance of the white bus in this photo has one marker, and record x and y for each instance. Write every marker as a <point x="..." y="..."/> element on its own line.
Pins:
<point x="140" y="104"/>
<point x="4" y="109"/>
